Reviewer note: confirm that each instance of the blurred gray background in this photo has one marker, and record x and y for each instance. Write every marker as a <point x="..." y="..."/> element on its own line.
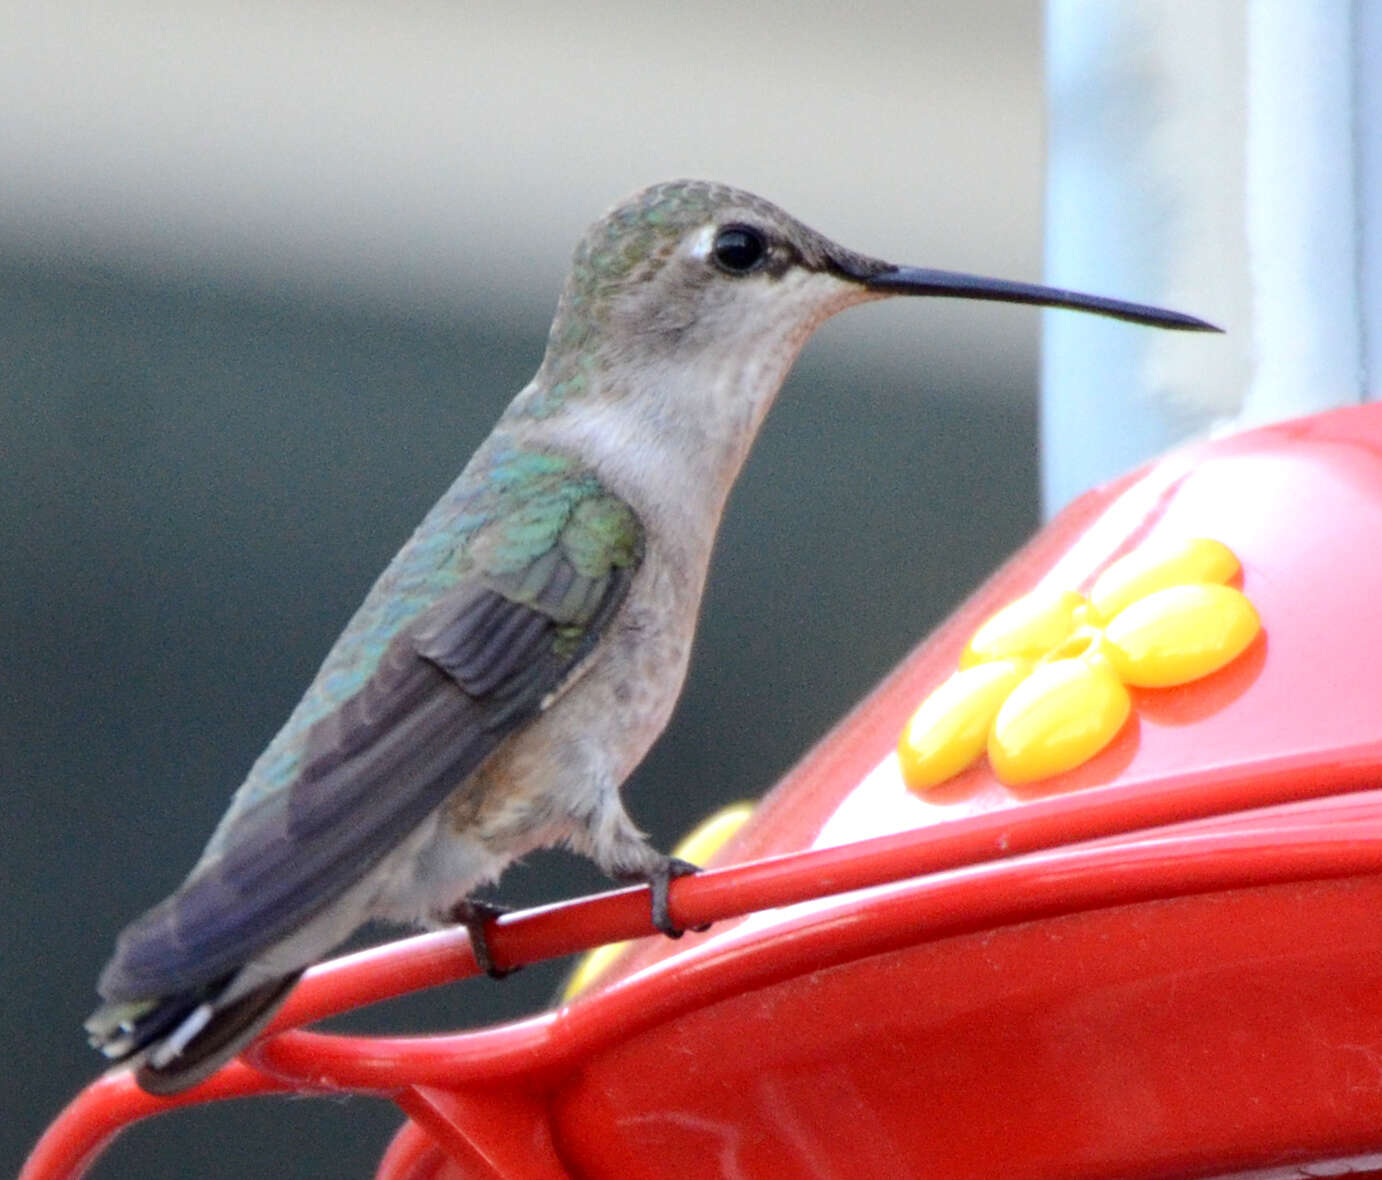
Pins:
<point x="268" y="274"/>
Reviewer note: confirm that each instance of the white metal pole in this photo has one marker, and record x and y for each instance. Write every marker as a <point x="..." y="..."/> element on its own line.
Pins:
<point x="1220" y="157"/>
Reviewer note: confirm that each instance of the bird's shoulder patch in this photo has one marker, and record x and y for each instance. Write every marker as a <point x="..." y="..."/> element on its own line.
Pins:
<point x="545" y="578"/>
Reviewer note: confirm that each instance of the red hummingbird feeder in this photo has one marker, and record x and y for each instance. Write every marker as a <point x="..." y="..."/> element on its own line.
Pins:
<point x="1117" y="917"/>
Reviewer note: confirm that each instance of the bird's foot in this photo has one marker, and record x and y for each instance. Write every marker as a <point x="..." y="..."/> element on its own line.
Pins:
<point x="659" y="881"/>
<point x="474" y="915"/>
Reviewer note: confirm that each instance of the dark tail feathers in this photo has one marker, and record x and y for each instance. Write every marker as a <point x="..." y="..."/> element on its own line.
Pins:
<point x="224" y="1029"/>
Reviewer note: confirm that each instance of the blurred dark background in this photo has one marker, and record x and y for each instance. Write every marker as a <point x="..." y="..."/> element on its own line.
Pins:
<point x="248" y="338"/>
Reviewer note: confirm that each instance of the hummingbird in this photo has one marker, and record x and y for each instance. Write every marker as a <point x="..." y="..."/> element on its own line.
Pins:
<point x="526" y="646"/>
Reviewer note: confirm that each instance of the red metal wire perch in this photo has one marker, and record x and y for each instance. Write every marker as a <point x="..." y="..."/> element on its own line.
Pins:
<point x="985" y="898"/>
<point x="1246" y="851"/>
<point x="111" y="1103"/>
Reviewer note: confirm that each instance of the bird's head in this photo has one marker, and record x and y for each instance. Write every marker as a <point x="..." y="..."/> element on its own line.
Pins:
<point x="689" y="267"/>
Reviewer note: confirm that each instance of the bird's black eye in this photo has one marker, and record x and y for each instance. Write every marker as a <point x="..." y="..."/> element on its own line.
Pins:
<point x="739" y="249"/>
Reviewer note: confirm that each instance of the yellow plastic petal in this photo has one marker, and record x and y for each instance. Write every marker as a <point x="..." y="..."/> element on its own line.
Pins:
<point x="591" y="966"/>
<point x="1063" y="714"/>
<point x="1026" y="628"/>
<point x="948" y="732"/>
<point x="713" y="833"/>
<point x="1155" y="567"/>
<point x="702" y="842"/>
<point x="1180" y="634"/>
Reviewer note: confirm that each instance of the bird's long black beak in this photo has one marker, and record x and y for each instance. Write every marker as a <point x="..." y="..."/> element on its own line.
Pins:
<point x="914" y="280"/>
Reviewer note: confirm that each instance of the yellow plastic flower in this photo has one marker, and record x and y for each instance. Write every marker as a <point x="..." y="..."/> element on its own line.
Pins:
<point x="1043" y="684"/>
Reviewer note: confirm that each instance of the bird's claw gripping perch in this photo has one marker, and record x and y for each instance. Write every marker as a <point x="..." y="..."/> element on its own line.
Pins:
<point x="659" y="881"/>
<point x="474" y="915"/>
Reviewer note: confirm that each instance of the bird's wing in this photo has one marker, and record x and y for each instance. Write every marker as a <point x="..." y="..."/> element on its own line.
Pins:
<point x="544" y="582"/>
